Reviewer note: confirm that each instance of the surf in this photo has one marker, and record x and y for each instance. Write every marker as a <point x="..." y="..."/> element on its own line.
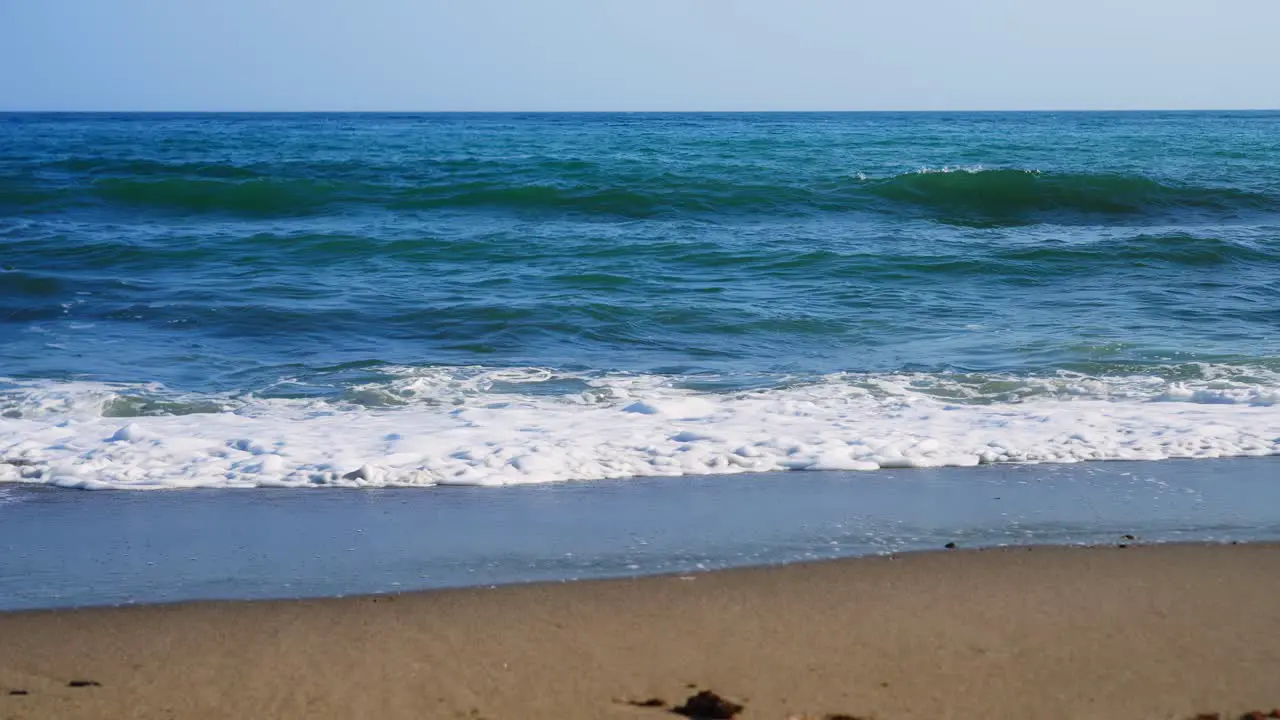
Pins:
<point x="504" y="426"/>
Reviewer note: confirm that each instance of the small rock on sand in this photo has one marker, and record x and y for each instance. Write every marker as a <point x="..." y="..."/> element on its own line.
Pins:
<point x="707" y="705"/>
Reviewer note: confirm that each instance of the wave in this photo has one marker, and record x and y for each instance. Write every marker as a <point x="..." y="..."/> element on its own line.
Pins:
<point x="978" y="197"/>
<point x="1011" y="196"/>
<point x="967" y="197"/>
<point x="19" y="283"/>
<point x="1171" y="248"/>
<point x="610" y="273"/>
<point x="490" y="426"/>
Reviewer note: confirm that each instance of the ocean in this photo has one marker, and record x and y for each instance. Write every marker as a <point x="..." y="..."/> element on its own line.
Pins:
<point x="369" y="300"/>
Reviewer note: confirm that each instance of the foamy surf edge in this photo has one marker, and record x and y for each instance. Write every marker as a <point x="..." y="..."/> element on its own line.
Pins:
<point x="485" y="426"/>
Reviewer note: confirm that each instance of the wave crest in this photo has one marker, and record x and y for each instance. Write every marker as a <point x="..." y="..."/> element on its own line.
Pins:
<point x="1009" y="196"/>
<point x="979" y="197"/>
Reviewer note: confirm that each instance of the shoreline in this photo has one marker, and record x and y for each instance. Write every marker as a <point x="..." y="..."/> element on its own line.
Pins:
<point x="1165" y="631"/>
<point x="1122" y="543"/>
<point x="69" y="549"/>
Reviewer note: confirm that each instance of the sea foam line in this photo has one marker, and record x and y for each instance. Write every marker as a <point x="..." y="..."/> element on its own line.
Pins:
<point x="475" y="426"/>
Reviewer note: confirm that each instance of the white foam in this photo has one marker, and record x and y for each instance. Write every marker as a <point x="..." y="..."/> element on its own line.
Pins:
<point x="497" y="427"/>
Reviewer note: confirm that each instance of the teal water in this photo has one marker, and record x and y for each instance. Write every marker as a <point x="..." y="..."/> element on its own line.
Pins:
<point x="166" y="279"/>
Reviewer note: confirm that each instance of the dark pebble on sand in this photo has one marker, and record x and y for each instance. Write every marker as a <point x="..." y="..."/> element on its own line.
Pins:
<point x="707" y="705"/>
<point x="84" y="683"/>
<point x="18" y="692"/>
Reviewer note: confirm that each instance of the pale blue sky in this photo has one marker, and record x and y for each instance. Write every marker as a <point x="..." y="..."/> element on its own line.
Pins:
<point x="637" y="54"/>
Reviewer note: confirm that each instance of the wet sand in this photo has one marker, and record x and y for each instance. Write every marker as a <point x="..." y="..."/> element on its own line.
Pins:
<point x="1136" y="632"/>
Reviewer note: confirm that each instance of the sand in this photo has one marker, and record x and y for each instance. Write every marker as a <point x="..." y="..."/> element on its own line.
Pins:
<point x="1137" y="632"/>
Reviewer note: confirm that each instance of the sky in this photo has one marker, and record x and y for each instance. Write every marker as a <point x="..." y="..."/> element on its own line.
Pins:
<point x="525" y="55"/>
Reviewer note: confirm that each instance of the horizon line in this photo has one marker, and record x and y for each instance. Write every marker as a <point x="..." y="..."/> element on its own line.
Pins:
<point x="632" y="112"/>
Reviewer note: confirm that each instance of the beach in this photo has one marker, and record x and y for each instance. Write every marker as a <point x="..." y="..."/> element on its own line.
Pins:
<point x="634" y="361"/>
<point x="575" y="415"/>
<point x="1118" y="632"/>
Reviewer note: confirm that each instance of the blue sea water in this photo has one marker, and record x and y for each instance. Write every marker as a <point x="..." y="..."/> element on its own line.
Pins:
<point x="60" y="549"/>
<point x="220" y="300"/>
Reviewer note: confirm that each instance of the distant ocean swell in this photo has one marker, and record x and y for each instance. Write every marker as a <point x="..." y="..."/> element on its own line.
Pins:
<point x="501" y="426"/>
<point x="980" y="197"/>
